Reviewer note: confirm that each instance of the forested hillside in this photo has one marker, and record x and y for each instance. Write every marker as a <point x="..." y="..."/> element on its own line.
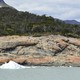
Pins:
<point x="13" y="22"/>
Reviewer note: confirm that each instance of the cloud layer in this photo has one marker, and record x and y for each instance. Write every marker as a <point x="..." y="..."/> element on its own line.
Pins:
<point x="62" y="9"/>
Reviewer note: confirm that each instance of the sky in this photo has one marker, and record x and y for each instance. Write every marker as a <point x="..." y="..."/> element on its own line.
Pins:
<point x="62" y="9"/>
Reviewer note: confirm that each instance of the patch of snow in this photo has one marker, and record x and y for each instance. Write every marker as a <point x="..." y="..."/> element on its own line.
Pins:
<point x="12" y="65"/>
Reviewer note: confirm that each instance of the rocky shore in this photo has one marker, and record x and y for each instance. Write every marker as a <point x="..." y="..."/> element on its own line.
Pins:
<point x="52" y="50"/>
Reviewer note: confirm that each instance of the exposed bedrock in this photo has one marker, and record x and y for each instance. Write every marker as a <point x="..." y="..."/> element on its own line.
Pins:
<point x="46" y="50"/>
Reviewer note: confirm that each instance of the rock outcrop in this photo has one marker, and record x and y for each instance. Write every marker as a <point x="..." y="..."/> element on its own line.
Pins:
<point x="46" y="50"/>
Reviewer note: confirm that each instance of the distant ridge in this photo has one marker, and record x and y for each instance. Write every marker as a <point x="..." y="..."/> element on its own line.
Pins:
<point x="3" y="4"/>
<point x="72" y="22"/>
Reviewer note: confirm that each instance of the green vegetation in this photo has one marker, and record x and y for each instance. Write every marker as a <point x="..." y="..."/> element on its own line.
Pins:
<point x="13" y="22"/>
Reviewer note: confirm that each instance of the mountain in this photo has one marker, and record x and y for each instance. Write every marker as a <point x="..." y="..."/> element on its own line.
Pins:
<point x="18" y="22"/>
<point x="14" y="22"/>
<point x="72" y="22"/>
<point x="3" y="4"/>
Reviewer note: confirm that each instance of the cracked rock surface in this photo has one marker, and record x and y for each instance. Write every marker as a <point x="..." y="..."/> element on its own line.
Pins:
<point x="52" y="50"/>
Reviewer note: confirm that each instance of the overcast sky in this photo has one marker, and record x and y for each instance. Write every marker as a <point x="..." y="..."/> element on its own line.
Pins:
<point x="62" y="9"/>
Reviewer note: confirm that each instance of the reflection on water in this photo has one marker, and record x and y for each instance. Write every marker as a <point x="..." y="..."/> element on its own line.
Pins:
<point x="41" y="73"/>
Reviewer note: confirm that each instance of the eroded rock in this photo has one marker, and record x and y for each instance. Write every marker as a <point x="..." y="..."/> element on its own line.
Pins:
<point x="45" y="50"/>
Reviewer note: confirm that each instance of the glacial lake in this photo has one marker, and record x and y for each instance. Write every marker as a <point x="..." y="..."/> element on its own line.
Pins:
<point x="41" y="73"/>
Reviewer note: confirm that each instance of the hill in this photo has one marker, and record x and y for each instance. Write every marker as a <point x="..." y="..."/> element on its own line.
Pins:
<point x="72" y="22"/>
<point x="13" y="22"/>
<point x="3" y="4"/>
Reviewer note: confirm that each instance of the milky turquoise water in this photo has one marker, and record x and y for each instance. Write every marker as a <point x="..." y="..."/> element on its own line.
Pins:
<point x="41" y="73"/>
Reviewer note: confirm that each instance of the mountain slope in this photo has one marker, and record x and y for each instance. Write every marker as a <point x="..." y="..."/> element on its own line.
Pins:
<point x="3" y="4"/>
<point x="25" y="22"/>
<point x="13" y="22"/>
<point x="72" y="22"/>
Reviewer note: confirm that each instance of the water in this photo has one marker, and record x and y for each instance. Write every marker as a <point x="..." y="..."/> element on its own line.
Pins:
<point x="41" y="73"/>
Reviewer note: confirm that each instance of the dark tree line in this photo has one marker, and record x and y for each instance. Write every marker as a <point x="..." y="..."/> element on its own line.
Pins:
<point x="13" y="22"/>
